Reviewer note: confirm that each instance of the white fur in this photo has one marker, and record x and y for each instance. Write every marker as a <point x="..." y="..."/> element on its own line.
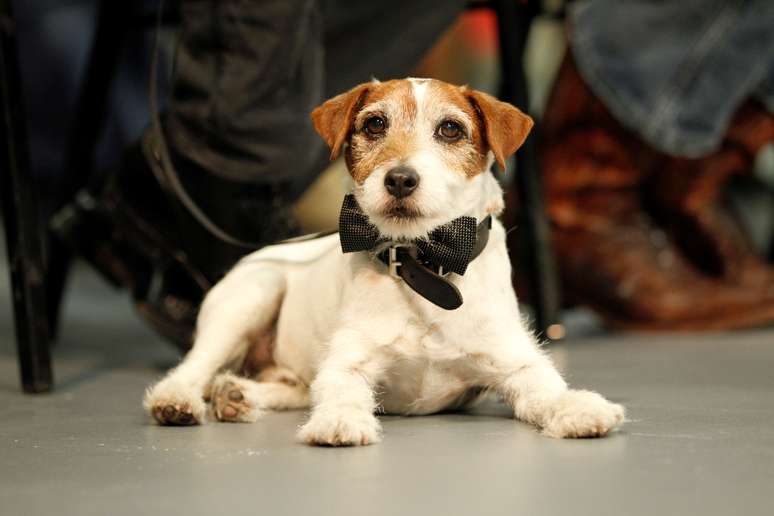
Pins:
<point x="363" y="341"/>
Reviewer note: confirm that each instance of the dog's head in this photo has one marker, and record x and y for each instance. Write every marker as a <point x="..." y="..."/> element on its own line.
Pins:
<point x="420" y="150"/>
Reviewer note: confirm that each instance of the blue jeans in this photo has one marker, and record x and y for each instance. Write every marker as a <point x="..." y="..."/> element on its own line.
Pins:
<point x="676" y="72"/>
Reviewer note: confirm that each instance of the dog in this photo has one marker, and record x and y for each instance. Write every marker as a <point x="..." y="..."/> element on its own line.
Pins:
<point x="304" y="324"/>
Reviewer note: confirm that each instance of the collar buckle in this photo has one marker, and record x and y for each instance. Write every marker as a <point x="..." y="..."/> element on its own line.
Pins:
<point x="392" y="260"/>
<point x="393" y="264"/>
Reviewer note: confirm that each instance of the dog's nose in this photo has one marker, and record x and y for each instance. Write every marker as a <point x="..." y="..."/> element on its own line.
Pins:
<point x="401" y="181"/>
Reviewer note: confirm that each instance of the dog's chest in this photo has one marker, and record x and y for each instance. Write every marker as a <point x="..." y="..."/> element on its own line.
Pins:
<point x="428" y="371"/>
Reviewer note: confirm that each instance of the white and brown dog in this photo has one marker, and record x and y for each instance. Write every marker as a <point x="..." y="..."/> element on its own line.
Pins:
<point x="303" y="324"/>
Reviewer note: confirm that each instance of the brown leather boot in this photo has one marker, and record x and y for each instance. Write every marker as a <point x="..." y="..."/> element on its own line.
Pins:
<point x="687" y="196"/>
<point x="613" y="256"/>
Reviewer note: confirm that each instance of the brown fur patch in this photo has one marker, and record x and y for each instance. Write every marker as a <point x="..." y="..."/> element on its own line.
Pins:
<point x="366" y="153"/>
<point x="471" y="161"/>
<point x="505" y="127"/>
<point x="333" y="119"/>
<point x="398" y="90"/>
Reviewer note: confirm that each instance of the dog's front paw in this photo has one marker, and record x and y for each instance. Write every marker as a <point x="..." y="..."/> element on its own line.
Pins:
<point x="345" y="427"/>
<point x="582" y="414"/>
<point x="172" y="403"/>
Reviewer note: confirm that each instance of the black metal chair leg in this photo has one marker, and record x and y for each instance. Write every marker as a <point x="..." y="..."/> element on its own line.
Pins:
<point x="22" y="230"/>
<point x="771" y="237"/>
<point x="514" y="21"/>
<point x="544" y="286"/>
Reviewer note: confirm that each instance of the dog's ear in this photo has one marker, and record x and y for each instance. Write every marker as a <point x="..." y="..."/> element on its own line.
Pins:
<point x="505" y="127"/>
<point x="333" y="120"/>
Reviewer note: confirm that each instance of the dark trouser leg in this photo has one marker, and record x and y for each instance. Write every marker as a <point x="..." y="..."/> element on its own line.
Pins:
<point x="383" y="40"/>
<point x="249" y="74"/>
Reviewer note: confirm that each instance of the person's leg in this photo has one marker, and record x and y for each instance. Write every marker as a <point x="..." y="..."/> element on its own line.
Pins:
<point x="382" y="40"/>
<point x="655" y="81"/>
<point x="247" y="73"/>
<point x="247" y="76"/>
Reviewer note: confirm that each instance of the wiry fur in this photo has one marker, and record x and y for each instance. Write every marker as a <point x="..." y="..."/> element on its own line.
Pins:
<point x="351" y="340"/>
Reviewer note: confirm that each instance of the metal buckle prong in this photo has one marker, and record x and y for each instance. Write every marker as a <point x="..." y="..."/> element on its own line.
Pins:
<point x="393" y="262"/>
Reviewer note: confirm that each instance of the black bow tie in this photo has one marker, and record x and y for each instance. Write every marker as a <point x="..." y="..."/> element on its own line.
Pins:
<point x="448" y="248"/>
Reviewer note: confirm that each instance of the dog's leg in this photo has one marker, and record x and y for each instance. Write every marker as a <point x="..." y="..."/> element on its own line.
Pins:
<point x="531" y="385"/>
<point x="238" y="399"/>
<point x="343" y="395"/>
<point x="242" y="304"/>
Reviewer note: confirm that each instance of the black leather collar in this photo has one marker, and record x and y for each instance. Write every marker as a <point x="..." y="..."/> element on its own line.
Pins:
<point x="426" y="278"/>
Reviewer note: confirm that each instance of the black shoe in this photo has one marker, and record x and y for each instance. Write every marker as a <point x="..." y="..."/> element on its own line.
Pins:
<point x="140" y="236"/>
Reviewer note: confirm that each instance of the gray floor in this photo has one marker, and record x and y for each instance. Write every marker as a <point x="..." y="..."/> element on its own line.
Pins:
<point x="700" y="439"/>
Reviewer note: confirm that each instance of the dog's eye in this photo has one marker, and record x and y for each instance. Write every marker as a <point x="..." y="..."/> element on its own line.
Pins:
<point x="450" y="131"/>
<point x="375" y="125"/>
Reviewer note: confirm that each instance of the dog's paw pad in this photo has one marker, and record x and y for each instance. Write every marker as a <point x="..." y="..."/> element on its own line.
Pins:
<point x="178" y="414"/>
<point x="578" y="414"/>
<point x="171" y="403"/>
<point x="229" y="403"/>
<point x="349" y="428"/>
